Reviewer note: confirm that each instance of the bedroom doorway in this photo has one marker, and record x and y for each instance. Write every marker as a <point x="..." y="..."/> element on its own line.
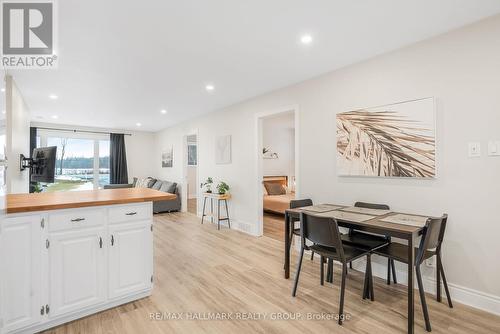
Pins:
<point x="277" y="169"/>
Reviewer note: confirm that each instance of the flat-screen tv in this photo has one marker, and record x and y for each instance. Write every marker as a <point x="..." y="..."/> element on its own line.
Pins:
<point x="44" y="164"/>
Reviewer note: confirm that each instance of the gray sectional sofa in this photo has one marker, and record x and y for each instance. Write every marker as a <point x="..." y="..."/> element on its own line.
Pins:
<point x="165" y="186"/>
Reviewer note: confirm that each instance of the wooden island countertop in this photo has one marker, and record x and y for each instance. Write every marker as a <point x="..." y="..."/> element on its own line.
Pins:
<point x="17" y="203"/>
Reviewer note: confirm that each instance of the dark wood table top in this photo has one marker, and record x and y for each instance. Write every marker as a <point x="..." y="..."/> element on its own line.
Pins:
<point x="372" y="222"/>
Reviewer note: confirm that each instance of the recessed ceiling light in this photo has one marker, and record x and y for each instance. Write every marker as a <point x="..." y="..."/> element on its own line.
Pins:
<point x="138" y="124"/>
<point x="209" y="87"/>
<point x="163" y="111"/>
<point x="53" y="97"/>
<point x="3" y="111"/>
<point x="55" y="116"/>
<point x="3" y="90"/>
<point x="306" y="39"/>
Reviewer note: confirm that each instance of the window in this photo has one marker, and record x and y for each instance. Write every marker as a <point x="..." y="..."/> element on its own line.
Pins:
<point x="74" y="164"/>
<point x="192" y="157"/>
<point x="82" y="161"/>
<point x="103" y="163"/>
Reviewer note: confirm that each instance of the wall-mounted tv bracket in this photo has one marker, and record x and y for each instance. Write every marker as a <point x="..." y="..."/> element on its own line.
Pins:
<point x="26" y="162"/>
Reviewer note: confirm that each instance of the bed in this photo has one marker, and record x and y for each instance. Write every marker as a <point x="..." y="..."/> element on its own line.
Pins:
<point x="277" y="197"/>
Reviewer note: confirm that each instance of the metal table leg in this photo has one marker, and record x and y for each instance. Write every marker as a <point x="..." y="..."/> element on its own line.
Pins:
<point x="287" y="245"/>
<point x="218" y="214"/>
<point x="203" y="213"/>
<point x="211" y="210"/>
<point x="227" y="214"/>
<point x="411" y="263"/>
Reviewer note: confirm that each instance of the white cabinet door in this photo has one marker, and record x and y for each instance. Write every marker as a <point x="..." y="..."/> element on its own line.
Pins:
<point x="130" y="258"/>
<point x="20" y="272"/>
<point x="77" y="261"/>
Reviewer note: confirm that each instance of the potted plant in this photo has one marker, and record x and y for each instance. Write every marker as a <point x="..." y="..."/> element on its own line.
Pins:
<point x="37" y="188"/>
<point x="222" y="188"/>
<point x="208" y="184"/>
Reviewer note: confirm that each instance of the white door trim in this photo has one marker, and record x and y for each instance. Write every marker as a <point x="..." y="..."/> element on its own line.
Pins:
<point x="258" y="158"/>
<point x="184" y="189"/>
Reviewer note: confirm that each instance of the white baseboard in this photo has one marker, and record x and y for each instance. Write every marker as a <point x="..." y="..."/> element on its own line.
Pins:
<point x="244" y="227"/>
<point x="237" y="225"/>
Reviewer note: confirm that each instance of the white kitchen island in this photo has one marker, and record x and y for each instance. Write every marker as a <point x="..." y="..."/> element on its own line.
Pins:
<point x="67" y="255"/>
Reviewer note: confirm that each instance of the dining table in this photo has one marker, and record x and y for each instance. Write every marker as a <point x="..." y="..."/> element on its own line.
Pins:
<point x="383" y="222"/>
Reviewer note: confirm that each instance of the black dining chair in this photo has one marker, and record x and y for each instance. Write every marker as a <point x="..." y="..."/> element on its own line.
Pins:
<point x="324" y="234"/>
<point x="430" y="245"/>
<point x="370" y="241"/>
<point x="294" y="204"/>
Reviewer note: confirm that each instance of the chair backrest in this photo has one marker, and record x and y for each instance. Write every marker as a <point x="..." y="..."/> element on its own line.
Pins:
<point x="321" y="231"/>
<point x="299" y="203"/>
<point x="371" y="206"/>
<point x="432" y="236"/>
<point x="368" y="206"/>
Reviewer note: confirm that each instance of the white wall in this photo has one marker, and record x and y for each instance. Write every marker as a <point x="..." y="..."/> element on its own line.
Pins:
<point x="461" y="70"/>
<point x="140" y="154"/>
<point x="193" y="185"/>
<point x="138" y="147"/>
<point x="18" y="137"/>
<point x="278" y="135"/>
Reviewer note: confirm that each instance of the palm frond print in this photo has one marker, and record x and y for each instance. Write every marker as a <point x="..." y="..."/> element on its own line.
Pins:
<point x="386" y="144"/>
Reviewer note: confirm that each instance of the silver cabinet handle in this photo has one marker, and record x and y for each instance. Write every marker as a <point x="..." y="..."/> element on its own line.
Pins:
<point x="77" y="219"/>
<point x="131" y="213"/>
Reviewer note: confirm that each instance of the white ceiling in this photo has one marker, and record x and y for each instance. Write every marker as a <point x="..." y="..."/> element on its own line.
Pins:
<point x="121" y="62"/>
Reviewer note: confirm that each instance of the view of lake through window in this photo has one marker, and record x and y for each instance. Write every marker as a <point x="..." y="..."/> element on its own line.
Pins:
<point x="81" y="164"/>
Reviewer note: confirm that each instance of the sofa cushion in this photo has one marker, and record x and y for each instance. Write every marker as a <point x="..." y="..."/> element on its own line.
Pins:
<point x="157" y="185"/>
<point x="151" y="182"/>
<point x="168" y="187"/>
<point x="143" y="182"/>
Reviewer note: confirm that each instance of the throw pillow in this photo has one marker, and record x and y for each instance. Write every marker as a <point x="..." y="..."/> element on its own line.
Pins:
<point x="157" y="185"/>
<point x="274" y="188"/>
<point x="142" y="182"/>
<point x="151" y="182"/>
<point x="168" y="187"/>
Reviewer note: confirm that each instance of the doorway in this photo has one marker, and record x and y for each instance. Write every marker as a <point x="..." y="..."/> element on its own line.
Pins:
<point x="277" y="176"/>
<point x="192" y="173"/>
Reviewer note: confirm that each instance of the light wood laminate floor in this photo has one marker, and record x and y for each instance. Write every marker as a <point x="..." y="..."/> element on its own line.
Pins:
<point x="274" y="226"/>
<point x="200" y="269"/>
<point x="192" y="206"/>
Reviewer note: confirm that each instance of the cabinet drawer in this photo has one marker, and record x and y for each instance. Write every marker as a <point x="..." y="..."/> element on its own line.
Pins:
<point x="76" y="219"/>
<point x="131" y="212"/>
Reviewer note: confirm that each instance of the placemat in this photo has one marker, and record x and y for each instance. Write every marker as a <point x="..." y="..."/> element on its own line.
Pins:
<point x="321" y="208"/>
<point x="374" y="212"/>
<point x="348" y="216"/>
<point x="403" y="219"/>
